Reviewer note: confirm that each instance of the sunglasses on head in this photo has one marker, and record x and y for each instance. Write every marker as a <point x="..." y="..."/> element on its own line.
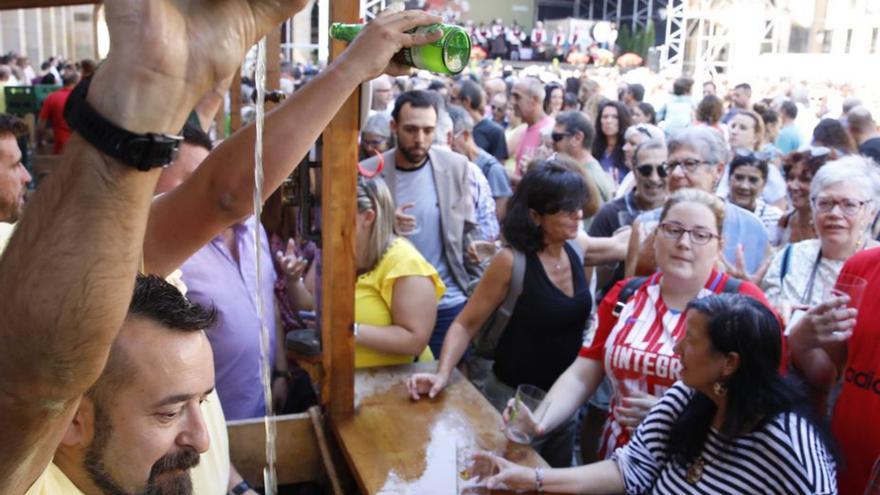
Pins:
<point x="647" y="169"/>
<point x="761" y="156"/>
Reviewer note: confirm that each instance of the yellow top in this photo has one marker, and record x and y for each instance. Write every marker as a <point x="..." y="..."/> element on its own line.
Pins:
<point x="6" y="230"/>
<point x="373" y="294"/>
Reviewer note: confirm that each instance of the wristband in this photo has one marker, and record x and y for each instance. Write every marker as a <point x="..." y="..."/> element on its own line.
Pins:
<point x="539" y="479"/>
<point x="240" y="488"/>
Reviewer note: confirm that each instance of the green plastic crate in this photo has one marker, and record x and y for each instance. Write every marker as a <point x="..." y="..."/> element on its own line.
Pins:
<point x="22" y="100"/>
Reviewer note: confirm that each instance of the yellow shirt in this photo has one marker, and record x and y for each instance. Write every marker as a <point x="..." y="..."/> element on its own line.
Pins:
<point x="6" y="230"/>
<point x="373" y="294"/>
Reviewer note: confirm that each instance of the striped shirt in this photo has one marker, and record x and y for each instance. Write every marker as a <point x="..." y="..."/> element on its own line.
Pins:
<point x="785" y="456"/>
<point x="637" y="347"/>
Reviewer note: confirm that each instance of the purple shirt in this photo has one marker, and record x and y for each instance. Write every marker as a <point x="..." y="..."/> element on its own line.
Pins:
<point x="215" y="280"/>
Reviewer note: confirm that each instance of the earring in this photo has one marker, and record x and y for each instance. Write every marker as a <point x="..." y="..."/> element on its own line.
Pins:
<point x="720" y="389"/>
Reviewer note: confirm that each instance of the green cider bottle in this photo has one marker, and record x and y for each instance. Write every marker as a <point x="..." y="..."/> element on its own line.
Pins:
<point x="448" y="55"/>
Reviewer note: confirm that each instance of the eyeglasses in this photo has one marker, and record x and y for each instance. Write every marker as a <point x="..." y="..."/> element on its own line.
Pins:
<point x="817" y="151"/>
<point x="640" y="128"/>
<point x="849" y="207"/>
<point x="689" y="165"/>
<point x="647" y="169"/>
<point x="698" y="236"/>
<point x="559" y="136"/>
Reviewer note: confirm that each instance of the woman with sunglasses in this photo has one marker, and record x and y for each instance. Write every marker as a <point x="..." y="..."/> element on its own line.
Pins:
<point x="397" y="290"/>
<point x="842" y="195"/>
<point x="799" y="168"/>
<point x="634" y="341"/>
<point x="747" y="178"/>
<point x="732" y="425"/>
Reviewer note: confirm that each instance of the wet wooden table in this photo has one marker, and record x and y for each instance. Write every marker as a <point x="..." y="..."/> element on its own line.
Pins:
<point x="397" y="446"/>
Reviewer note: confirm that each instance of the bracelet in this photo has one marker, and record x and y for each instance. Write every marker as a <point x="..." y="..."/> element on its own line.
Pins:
<point x="281" y="374"/>
<point x="355" y="329"/>
<point x="539" y="479"/>
<point x="240" y="488"/>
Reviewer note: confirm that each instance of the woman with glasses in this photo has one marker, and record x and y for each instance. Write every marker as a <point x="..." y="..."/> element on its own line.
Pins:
<point x="634" y="341"/>
<point x="545" y="330"/>
<point x="747" y="178"/>
<point x="611" y="124"/>
<point x="842" y="195"/>
<point x="799" y="168"/>
<point x="732" y="425"/>
<point x="397" y="290"/>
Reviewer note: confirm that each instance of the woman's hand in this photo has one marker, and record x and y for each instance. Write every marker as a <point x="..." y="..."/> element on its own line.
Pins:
<point x="508" y="476"/>
<point x="830" y="322"/>
<point x="426" y="383"/>
<point x="633" y="410"/>
<point x="524" y="418"/>
<point x="738" y="268"/>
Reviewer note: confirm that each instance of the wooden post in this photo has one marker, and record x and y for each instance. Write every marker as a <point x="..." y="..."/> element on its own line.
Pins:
<point x="338" y="269"/>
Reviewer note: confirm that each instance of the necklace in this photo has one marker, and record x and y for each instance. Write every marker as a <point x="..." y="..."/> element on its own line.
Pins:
<point x="695" y="470"/>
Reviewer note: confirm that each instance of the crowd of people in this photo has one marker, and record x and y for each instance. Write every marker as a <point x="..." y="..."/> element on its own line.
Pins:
<point x="691" y="285"/>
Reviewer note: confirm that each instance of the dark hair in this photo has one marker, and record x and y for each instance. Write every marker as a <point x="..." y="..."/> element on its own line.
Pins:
<point x="812" y="162"/>
<point x="572" y="85"/>
<point x="682" y="86"/>
<point x="789" y="109"/>
<point x="194" y="135"/>
<point x="710" y="109"/>
<point x="548" y="187"/>
<point x="435" y="85"/>
<point x="831" y="133"/>
<point x="747" y="157"/>
<point x="416" y="99"/>
<point x="649" y="112"/>
<point x="576" y="121"/>
<point x="756" y="392"/>
<point x="472" y="92"/>
<point x="12" y="125"/>
<point x="767" y="114"/>
<point x="156" y="300"/>
<point x="601" y="142"/>
<point x="712" y="83"/>
<point x="570" y="100"/>
<point x="744" y="86"/>
<point x="637" y="91"/>
<point x="548" y="93"/>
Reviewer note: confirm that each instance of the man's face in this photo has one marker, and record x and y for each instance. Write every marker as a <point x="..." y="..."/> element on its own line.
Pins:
<point x="373" y="143"/>
<point x="566" y="144"/>
<point x="381" y="93"/>
<point x="14" y="179"/>
<point x="650" y="186"/>
<point x="524" y="104"/>
<point x="499" y="108"/>
<point x="741" y="98"/>
<point x="415" y="132"/>
<point x="148" y="438"/>
<point x="180" y="170"/>
<point x="708" y="89"/>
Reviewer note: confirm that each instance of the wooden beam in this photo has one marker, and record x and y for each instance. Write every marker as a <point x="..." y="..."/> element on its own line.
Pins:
<point x="338" y="269"/>
<point x="33" y="4"/>
<point x="299" y="457"/>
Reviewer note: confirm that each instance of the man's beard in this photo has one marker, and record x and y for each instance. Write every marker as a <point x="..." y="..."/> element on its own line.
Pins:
<point x="178" y="484"/>
<point x="413" y="158"/>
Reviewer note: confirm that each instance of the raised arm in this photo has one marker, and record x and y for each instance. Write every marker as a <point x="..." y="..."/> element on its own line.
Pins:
<point x="220" y="191"/>
<point x="68" y="273"/>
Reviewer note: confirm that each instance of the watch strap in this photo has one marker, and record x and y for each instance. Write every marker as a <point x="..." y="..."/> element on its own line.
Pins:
<point x="240" y="488"/>
<point x="141" y="151"/>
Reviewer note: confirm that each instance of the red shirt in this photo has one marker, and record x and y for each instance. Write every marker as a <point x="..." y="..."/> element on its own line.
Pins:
<point x="53" y="113"/>
<point x="636" y="348"/>
<point x="856" y="418"/>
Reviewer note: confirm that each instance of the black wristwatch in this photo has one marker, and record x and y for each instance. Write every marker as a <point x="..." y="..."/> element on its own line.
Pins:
<point x="141" y="151"/>
<point x="240" y="488"/>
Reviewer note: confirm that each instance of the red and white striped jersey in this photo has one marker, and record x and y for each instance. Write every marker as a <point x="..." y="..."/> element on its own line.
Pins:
<point x="637" y="347"/>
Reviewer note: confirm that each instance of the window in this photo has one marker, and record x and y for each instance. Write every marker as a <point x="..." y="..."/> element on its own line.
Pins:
<point x="849" y="39"/>
<point x="825" y="40"/>
<point x="875" y="37"/>
<point x="799" y="39"/>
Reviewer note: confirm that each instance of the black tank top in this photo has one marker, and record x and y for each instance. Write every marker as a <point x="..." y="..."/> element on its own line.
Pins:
<point x="545" y="331"/>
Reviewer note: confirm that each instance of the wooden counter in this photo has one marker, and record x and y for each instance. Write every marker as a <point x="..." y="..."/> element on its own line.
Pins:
<point x="397" y="446"/>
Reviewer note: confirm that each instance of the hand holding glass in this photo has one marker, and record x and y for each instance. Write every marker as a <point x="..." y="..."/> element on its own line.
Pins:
<point x="524" y="413"/>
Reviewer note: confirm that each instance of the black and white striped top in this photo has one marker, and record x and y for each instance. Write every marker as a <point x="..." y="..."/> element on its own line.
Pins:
<point x="786" y="456"/>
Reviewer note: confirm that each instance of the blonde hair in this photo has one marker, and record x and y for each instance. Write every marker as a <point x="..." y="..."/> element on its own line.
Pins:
<point x="711" y="201"/>
<point x="373" y="194"/>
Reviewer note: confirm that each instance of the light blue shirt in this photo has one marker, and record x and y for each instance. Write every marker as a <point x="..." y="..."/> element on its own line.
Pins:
<point x="789" y="139"/>
<point x="740" y="227"/>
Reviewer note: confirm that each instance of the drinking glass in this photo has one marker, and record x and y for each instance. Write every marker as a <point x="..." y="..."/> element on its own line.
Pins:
<point x="851" y="285"/>
<point x="527" y="412"/>
<point x="472" y="475"/>
<point x="873" y="486"/>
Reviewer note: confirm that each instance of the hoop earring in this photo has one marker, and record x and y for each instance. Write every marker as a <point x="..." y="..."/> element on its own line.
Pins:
<point x="720" y="389"/>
